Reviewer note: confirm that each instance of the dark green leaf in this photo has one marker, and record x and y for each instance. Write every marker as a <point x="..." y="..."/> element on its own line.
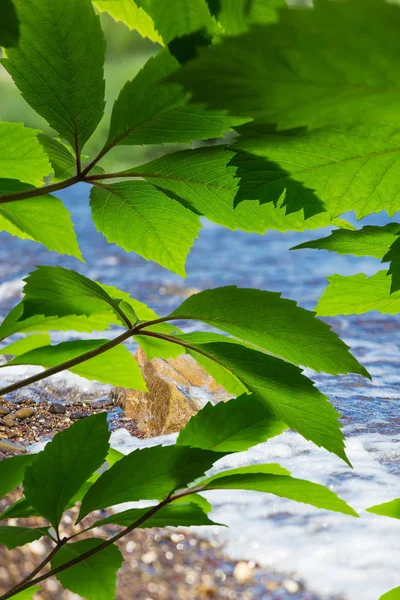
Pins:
<point x="140" y="218"/>
<point x="152" y="473"/>
<point x="12" y="472"/>
<point x="272" y="323"/>
<point x="9" y="24"/>
<point x="58" y="65"/>
<point x="180" y="515"/>
<point x="284" y="486"/>
<point x="116" y="366"/>
<point x="279" y="385"/>
<point x="12" y="537"/>
<point x="148" y="113"/>
<point x="358" y="294"/>
<point x="21" y="509"/>
<point x="393" y="255"/>
<point x="299" y="72"/>
<point x="231" y="426"/>
<point x="39" y="219"/>
<point x="93" y="578"/>
<point x="65" y="464"/>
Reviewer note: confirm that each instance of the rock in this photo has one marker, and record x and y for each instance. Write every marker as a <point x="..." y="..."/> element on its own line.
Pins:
<point x="4" y="411"/>
<point x="25" y="413"/>
<point x="243" y="573"/>
<point x="77" y="415"/>
<point x="57" y="408"/>
<point x="11" y="447"/>
<point x="9" y="421"/>
<point x="291" y="586"/>
<point x="178" y="388"/>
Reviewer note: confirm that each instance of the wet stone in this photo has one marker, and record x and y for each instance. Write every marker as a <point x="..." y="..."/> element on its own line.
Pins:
<point x="4" y="411"/>
<point x="25" y="413"/>
<point x="77" y="415"/>
<point x="9" y="421"/>
<point x="57" y="408"/>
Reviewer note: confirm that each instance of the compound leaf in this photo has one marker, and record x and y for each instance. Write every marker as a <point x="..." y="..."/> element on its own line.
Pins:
<point x="65" y="464"/>
<point x="9" y="25"/>
<point x="358" y="294"/>
<point x="12" y="472"/>
<point x="298" y="72"/>
<point x="58" y="65"/>
<point x="232" y="426"/>
<point x="279" y="385"/>
<point x="140" y="218"/>
<point x="28" y="343"/>
<point x="272" y="323"/>
<point x="153" y="474"/>
<point x="393" y="255"/>
<point x="94" y="577"/>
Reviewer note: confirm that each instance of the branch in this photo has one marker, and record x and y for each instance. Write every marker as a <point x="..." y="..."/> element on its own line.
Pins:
<point x="35" y="192"/>
<point x="70" y="363"/>
<point x="153" y="510"/>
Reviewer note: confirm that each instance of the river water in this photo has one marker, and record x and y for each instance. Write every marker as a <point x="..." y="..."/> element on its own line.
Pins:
<point x="334" y="554"/>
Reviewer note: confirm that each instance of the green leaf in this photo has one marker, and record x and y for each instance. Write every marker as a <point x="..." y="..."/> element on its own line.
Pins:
<point x="187" y="16"/>
<point x="195" y="499"/>
<point x="358" y="294"/>
<point x="221" y="375"/>
<point x="9" y="25"/>
<point x="148" y="113"/>
<point x="116" y="366"/>
<point x="65" y="464"/>
<point x="283" y="486"/>
<point x="393" y="255"/>
<point x="21" y="509"/>
<point x="327" y="169"/>
<point x="21" y="155"/>
<point x="370" y="240"/>
<point x="154" y="473"/>
<point x="236" y="16"/>
<point x="12" y="472"/>
<point x="93" y="578"/>
<point x="14" y="324"/>
<point x="61" y="158"/>
<point x="181" y="515"/>
<point x="392" y="595"/>
<point x="57" y="291"/>
<point x="140" y="218"/>
<point x="279" y="385"/>
<point x="40" y="219"/>
<point x="299" y="72"/>
<point x="12" y="537"/>
<point x="127" y="12"/>
<point x="28" y="343"/>
<point x="27" y="594"/>
<point x="60" y="71"/>
<point x="231" y="426"/>
<point x="272" y="323"/>
<point x="387" y="509"/>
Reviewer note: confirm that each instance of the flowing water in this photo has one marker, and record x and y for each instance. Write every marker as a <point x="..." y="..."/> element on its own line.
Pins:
<point x="333" y="553"/>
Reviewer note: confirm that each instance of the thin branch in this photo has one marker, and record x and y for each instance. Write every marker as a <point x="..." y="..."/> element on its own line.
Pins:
<point x="96" y="159"/>
<point x="40" y="567"/>
<point x="35" y="192"/>
<point x="70" y="363"/>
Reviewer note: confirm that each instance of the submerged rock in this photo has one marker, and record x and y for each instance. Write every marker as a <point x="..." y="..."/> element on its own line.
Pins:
<point x="178" y="389"/>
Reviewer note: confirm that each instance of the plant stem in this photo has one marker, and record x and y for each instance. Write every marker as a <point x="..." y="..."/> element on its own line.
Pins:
<point x="39" y="568"/>
<point x="70" y="363"/>
<point x="153" y="510"/>
<point x="35" y="192"/>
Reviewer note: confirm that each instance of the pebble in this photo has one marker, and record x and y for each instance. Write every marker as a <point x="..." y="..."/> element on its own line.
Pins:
<point x="24" y="413"/>
<point x="243" y="573"/>
<point x="291" y="586"/>
<point x="9" y="421"/>
<point x="57" y="408"/>
<point x="97" y="404"/>
<point x="78" y="415"/>
<point x="4" y="410"/>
